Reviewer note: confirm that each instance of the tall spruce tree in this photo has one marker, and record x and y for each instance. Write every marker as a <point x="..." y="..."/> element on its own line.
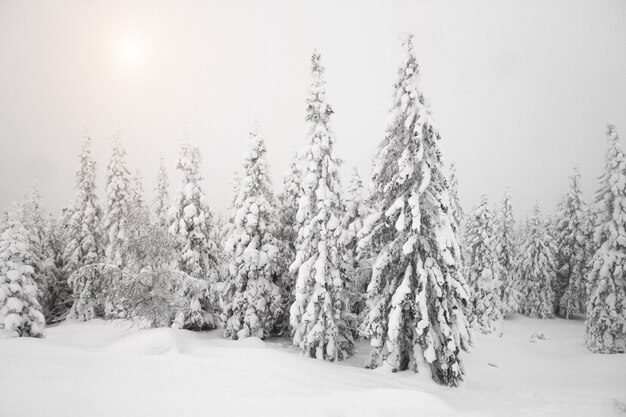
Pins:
<point x="251" y="298"/>
<point x="483" y="269"/>
<point x="33" y="221"/>
<point x="506" y="248"/>
<point x="318" y="313"/>
<point x="84" y="243"/>
<point x="115" y="222"/>
<point x="606" y="283"/>
<point x="57" y="295"/>
<point x="191" y="219"/>
<point x="191" y="227"/>
<point x="357" y="265"/>
<point x="536" y="269"/>
<point x="44" y="256"/>
<point x="287" y="233"/>
<point x="572" y="240"/>
<point x="417" y="296"/>
<point x="161" y="205"/>
<point x="19" y="309"/>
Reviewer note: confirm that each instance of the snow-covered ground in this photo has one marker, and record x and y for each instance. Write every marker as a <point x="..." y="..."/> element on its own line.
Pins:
<point x="99" y="368"/>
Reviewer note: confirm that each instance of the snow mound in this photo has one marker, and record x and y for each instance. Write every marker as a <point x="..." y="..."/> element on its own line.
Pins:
<point x="7" y="334"/>
<point x="535" y="337"/>
<point x="149" y="342"/>
<point x="251" y="342"/>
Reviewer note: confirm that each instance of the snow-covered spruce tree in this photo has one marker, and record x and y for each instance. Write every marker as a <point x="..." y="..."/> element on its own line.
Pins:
<point x="44" y="256"/>
<point x="286" y="233"/>
<point x="114" y="224"/>
<point x="138" y="206"/>
<point x="536" y="269"/>
<point x="357" y="266"/>
<point x="317" y="314"/>
<point x="56" y="297"/>
<point x="417" y="295"/>
<point x="19" y="309"/>
<point x="251" y="298"/>
<point x="84" y="242"/>
<point x="190" y="226"/>
<point x="33" y="221"/>
<point x="161" y="205"/>
<point x="572" y="240"/>
<point x="483" y="269"/>
<point x="606" y="282"/>
<point x="506" y="248"/>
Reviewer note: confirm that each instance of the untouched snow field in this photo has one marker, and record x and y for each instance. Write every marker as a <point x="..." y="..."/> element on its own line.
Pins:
<point x="99" y="368"/>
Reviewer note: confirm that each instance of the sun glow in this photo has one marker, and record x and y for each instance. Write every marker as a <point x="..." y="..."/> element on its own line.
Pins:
<point x="130" y="53"/>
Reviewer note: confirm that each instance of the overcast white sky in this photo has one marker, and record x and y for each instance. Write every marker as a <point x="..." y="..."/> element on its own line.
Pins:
<point x="521" y="91"/>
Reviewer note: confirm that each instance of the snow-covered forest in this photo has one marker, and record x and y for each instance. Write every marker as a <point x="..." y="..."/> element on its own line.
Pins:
<point x="382" y="283"/>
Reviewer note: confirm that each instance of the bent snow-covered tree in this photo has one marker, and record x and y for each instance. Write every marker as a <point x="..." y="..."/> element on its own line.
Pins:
<point x="572" y="240"/>
<point x="536" y="269"/>
<point x="84" y="241"/>
<point x="417" y="296"/>
<point x="251" y="299"/>
<point x="606" y="283"/>
<point x="191" y="223"/>
<point x="19" y="309"/>
<point x="483" y="269"/>
<point x="317" y="314"/>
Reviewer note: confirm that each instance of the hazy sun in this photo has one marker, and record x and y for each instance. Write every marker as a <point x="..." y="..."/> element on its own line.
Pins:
<point x="129" y="53"/>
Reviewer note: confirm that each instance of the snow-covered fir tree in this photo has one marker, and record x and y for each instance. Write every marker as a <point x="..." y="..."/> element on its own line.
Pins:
<point x="56" y="299"/>
<point x="161" y="205"/>
<point x="45" y="257"/>
<point x="251" y="298"/>
<point x="506" y="248"/>
<point x="483" y="269"/>
<point x="572" y="239"/>
<point x="190" y="226"/>
<point x="20" y="311"/>
<point x="118" y="202"/>
<point x="317" y="315"/>
<point x="35" y="225"/>
<point x="357" y="266"/>
<point x="606" y="282"/>
<point x="286" y="233"/>
<point x="417" y="296"/>
<point x="191" y="219"/>
<point x="138" y="206"/>
<point x="536" y="269"/>
<point x="116" y="217"/>
<point x="288" y="202"/>
<point x="84" y="242"/>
